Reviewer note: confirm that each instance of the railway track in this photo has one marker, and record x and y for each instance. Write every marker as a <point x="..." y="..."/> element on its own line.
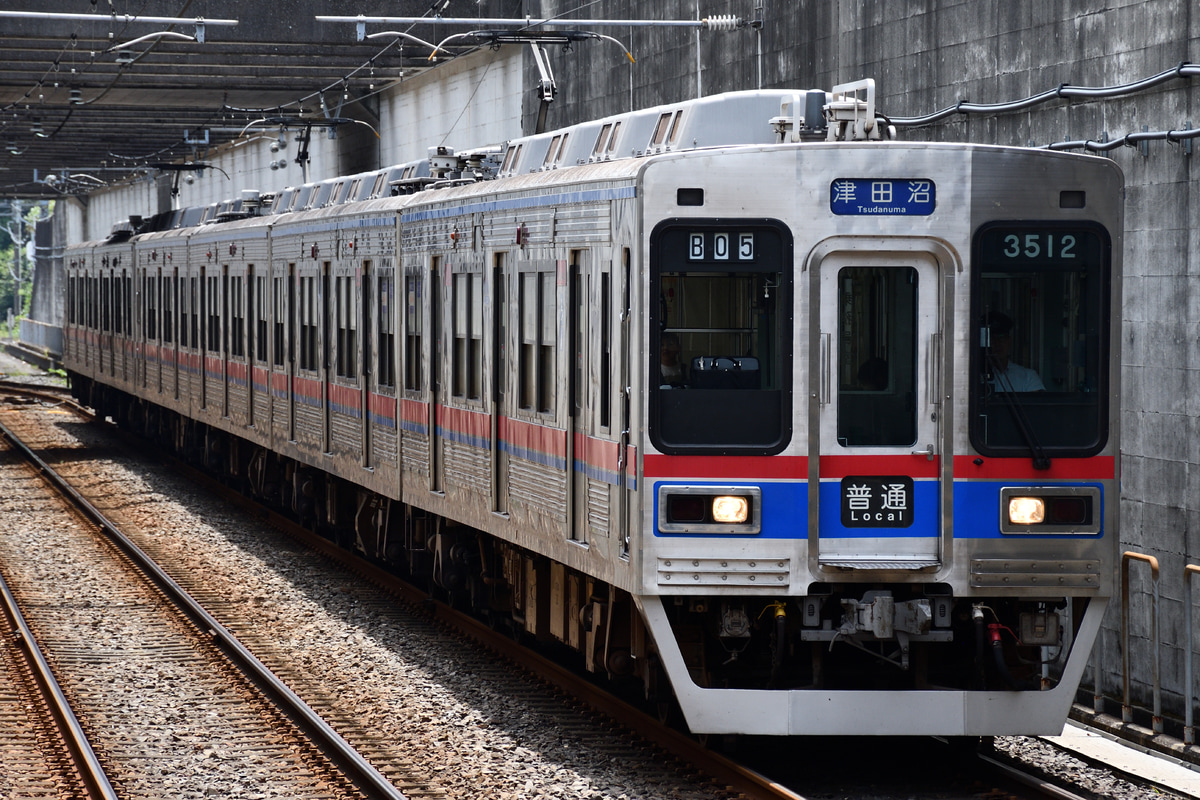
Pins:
<point x="226" y="723"/>
<point x="592" y="707"/>
<point x="44" y="748"/>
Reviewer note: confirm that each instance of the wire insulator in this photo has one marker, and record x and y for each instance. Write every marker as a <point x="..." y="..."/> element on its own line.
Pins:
<point x="722" y="22"/>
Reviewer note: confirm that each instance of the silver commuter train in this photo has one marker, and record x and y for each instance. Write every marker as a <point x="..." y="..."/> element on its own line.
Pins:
<point x="823" y="430"/>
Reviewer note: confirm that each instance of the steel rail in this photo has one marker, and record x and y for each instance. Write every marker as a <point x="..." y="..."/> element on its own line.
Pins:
<point x="1044" y="787"/>
<point x="87" y="764"/>
<point x="364" y="776"/>
<point x="719" y="768"/>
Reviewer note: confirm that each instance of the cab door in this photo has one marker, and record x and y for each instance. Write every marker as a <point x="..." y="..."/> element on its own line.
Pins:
<point x="879" y="450"/>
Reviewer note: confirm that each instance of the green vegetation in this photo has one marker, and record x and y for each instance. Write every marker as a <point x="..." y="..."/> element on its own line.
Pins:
<point x="17" y="223"/>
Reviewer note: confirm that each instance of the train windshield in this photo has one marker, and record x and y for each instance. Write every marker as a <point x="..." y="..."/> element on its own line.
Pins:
<point x="720" y="341"/>
<point x="1040" y="333"/>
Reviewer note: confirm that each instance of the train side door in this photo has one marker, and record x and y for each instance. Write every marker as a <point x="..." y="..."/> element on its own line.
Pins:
<point x="366" y="322"/>
<point x="578" y="405"/>
<point x="295" y="347"/>
<point x="176" y="333"/>
<point x="439" y="271"/>
<point x="500" y="381"/>
<point x="877" y="488"/>
<point x="250" y="348"/>
<point x="328" y="318"/>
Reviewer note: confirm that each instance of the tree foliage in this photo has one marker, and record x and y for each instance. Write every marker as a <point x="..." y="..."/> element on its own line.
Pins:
<point x="17" y="225"/>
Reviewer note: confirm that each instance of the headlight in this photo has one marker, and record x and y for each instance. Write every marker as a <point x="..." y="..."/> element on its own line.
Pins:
<point x="1026" y="510"/>
<point x="731" y="509"/>
<point x="709" y="509"/>
<point x="1050" y="509"/>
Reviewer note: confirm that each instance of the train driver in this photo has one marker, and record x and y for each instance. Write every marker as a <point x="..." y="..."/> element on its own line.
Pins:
<point x="1005" y="374"/>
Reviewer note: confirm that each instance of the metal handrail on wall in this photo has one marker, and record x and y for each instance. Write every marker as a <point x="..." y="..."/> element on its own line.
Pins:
<point x="1189" y="732"/>
<point x="1126" y="706"/>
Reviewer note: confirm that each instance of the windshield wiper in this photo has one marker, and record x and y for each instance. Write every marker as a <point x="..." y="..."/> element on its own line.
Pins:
<point x="1017" y="409"/>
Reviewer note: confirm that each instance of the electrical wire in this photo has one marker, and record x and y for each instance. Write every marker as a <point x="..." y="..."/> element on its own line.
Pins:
<point x="1183" y="70"/>
<point x="1128" y="140"/>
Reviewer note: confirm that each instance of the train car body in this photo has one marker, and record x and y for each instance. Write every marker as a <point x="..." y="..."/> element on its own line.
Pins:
<point x="823" y="435"/>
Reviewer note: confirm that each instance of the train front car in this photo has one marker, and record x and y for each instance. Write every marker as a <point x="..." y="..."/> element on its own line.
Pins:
<point x="881" y="444"/>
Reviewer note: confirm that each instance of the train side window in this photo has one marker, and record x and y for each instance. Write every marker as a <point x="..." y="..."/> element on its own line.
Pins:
<point x="548" y="324"/>
<point x="185" y="308"/>
<point x="118" y="324"/>
<point x="460" y="332"/>
<point x="307" y="308"/>
<point x="467" y="326"/>
<point x="719" y="357"/>
<point x="1039" y="332"/>
<point x="150" y="292"/>
<point x="347" y="326"/>
<point x="579" y="307"/>
<point x="260" y="318"/>
<point x="104" y="282"/>
<point x="237" y="320"/>
<point x="527" y="308"/>
<point x="537" y="311"/>
<point x="386" y="340"/>
<point x="167" y="309"/>
<point x="201" y="315"/>
<point x="213" y="317"/>
<point x="279" y="317"/>
<point x="120" y="295"/>
<point x="413" y="330"/>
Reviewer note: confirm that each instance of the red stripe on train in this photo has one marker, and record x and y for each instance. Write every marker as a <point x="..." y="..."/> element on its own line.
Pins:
<point x="915" y="466"/>
<point x="471" y="423"/>
<point x="538" y="438"/>
<point x="1097" y="468"/>
<point x="736" y="467"/>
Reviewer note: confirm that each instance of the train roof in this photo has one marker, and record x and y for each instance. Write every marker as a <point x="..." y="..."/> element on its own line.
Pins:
<point x="729" y="118"/>
<point x="612" y="148"/>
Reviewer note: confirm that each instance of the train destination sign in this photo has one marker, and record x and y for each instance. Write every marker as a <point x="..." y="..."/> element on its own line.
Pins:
<point x="901" y="197"/>
<point x="877" y="501"/>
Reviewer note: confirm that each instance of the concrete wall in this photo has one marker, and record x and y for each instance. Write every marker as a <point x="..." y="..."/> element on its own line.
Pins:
<point x="469" y="101"/>
<point x="46" y="304"/>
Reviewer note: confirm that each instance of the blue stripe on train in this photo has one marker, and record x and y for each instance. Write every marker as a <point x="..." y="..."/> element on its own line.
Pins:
<point x="785" y="510"/>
